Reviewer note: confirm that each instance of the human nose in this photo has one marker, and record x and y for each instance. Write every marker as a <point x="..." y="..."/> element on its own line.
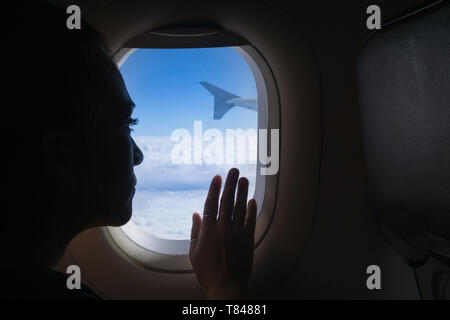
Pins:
<point x="138" y="156"/>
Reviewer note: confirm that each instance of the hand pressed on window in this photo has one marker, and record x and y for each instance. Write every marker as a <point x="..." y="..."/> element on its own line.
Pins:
<point x="222" y="242"/>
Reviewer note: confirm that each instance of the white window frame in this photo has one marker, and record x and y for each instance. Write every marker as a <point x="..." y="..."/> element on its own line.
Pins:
<point x="167" y="255"/>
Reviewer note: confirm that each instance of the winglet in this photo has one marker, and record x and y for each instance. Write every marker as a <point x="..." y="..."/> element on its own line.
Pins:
<point x="220" y="99"/>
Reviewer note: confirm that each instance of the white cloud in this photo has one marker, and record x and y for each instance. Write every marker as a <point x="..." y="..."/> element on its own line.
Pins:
<point x="167" y="194"/>
<point x="167" y="214"/>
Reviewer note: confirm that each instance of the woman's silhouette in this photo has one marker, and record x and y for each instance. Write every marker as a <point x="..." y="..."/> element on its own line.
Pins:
<point x="69" y="158"/>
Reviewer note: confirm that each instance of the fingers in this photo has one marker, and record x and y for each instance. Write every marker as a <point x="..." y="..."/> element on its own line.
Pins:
<point x="241" y="201"/>
<point x="250" y="219"/>
<point x="195" y="231"/>
<point x="212" y="200"/>
<point x="227" y="200"/>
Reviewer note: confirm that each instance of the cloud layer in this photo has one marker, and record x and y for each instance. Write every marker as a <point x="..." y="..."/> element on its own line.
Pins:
<point x="167" y="194"/>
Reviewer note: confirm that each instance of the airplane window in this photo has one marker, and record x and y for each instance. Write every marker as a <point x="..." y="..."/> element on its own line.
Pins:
<point x="197" y="117"/>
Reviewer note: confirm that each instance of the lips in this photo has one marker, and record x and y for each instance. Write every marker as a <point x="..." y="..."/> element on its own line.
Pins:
<point x="132" y="193"/>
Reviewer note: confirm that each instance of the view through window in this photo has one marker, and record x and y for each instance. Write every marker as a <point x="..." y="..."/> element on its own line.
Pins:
<point x="197" y="117"/>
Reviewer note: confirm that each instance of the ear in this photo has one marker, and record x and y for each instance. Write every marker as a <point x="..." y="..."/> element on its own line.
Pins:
<point x="60" y="158"/>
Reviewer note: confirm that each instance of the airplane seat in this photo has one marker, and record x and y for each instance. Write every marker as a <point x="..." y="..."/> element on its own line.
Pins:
<point x="404" y="97"/>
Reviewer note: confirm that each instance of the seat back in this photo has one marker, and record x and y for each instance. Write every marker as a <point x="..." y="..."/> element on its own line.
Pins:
<point x="404" y="97"/>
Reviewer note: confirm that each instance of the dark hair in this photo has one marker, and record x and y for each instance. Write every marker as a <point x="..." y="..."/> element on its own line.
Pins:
<point x="58" y="79"/>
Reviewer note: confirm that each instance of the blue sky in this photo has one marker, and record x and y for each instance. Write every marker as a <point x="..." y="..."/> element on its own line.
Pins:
<point x="164" y="85"/>
<point x="165" y="82"/>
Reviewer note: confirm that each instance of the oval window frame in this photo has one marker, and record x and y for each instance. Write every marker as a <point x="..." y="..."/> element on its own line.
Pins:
<point x="172" y="255"/>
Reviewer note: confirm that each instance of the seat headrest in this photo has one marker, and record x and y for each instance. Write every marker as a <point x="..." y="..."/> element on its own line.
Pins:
<point x="404" y="97"/>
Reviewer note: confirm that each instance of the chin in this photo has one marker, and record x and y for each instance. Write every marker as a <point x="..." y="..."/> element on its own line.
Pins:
<point x="123" y="214"/>
<point x="121" y="217"/>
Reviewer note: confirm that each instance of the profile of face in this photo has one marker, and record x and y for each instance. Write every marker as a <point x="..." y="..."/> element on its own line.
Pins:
<point x="115" y="156"/>
<point x="73" y="157"/>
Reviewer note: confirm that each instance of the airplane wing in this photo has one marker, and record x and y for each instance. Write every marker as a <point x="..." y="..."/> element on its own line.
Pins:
<point x="220" y="99"/>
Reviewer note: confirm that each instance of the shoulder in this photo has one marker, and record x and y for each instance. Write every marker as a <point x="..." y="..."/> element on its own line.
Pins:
<point x="46" y="284"/>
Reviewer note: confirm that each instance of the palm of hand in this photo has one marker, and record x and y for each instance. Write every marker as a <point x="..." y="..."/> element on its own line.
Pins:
<point x="222" y="250"/>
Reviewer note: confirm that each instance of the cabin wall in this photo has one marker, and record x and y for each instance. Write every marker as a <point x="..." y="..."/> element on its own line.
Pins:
<point x="344" y="240"/>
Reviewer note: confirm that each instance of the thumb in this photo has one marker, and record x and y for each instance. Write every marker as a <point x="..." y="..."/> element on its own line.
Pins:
<point x="195" y="231"/>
